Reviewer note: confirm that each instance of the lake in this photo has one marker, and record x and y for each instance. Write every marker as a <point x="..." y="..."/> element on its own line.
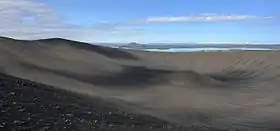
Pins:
<point x="202" y="49"/>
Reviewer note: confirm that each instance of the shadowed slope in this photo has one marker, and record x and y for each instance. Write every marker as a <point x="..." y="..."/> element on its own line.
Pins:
<point x="139" y="76"/>
<point x="106" y="51"/>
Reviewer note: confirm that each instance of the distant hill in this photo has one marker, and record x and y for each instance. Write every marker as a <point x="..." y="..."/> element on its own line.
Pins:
<point x="134" y="45"/>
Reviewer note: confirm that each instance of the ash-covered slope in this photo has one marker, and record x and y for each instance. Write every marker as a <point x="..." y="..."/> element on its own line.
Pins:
<point x="26" y="105"/>
<point x="219" y="89"/>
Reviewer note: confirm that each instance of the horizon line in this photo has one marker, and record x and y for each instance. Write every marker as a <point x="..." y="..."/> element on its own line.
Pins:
<point x="144" y="43"/>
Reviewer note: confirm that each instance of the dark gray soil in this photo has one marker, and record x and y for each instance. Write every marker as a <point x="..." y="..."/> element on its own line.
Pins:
<point x="26" y="105"/>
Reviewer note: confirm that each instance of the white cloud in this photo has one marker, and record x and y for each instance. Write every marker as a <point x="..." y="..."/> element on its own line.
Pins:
<point x="33" y="19"/>
<point x="15" y="12"/>
<point x="207" y="17"/>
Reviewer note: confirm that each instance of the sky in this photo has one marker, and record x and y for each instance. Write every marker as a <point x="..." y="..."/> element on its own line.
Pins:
<point x="144" y="21"/>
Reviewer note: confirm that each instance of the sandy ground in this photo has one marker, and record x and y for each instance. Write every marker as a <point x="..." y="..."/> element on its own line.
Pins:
<point x="229" y="90"/>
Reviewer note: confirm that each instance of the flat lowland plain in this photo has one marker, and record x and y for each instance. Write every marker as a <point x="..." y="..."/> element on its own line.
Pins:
<point x="198" y="90"/>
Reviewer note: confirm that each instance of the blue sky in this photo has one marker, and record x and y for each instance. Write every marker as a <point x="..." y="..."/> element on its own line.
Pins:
<point x="150" y="21"/>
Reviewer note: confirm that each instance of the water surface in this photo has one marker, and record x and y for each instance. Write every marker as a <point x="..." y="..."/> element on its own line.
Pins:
<point x="203" y="49"/>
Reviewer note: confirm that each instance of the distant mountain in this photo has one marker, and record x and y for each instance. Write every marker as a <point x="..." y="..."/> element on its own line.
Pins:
<point x="134" y="45"/>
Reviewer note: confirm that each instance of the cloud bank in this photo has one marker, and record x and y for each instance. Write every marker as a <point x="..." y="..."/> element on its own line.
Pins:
<point x="32" y="19"/>
<point x="207" y="17"/>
